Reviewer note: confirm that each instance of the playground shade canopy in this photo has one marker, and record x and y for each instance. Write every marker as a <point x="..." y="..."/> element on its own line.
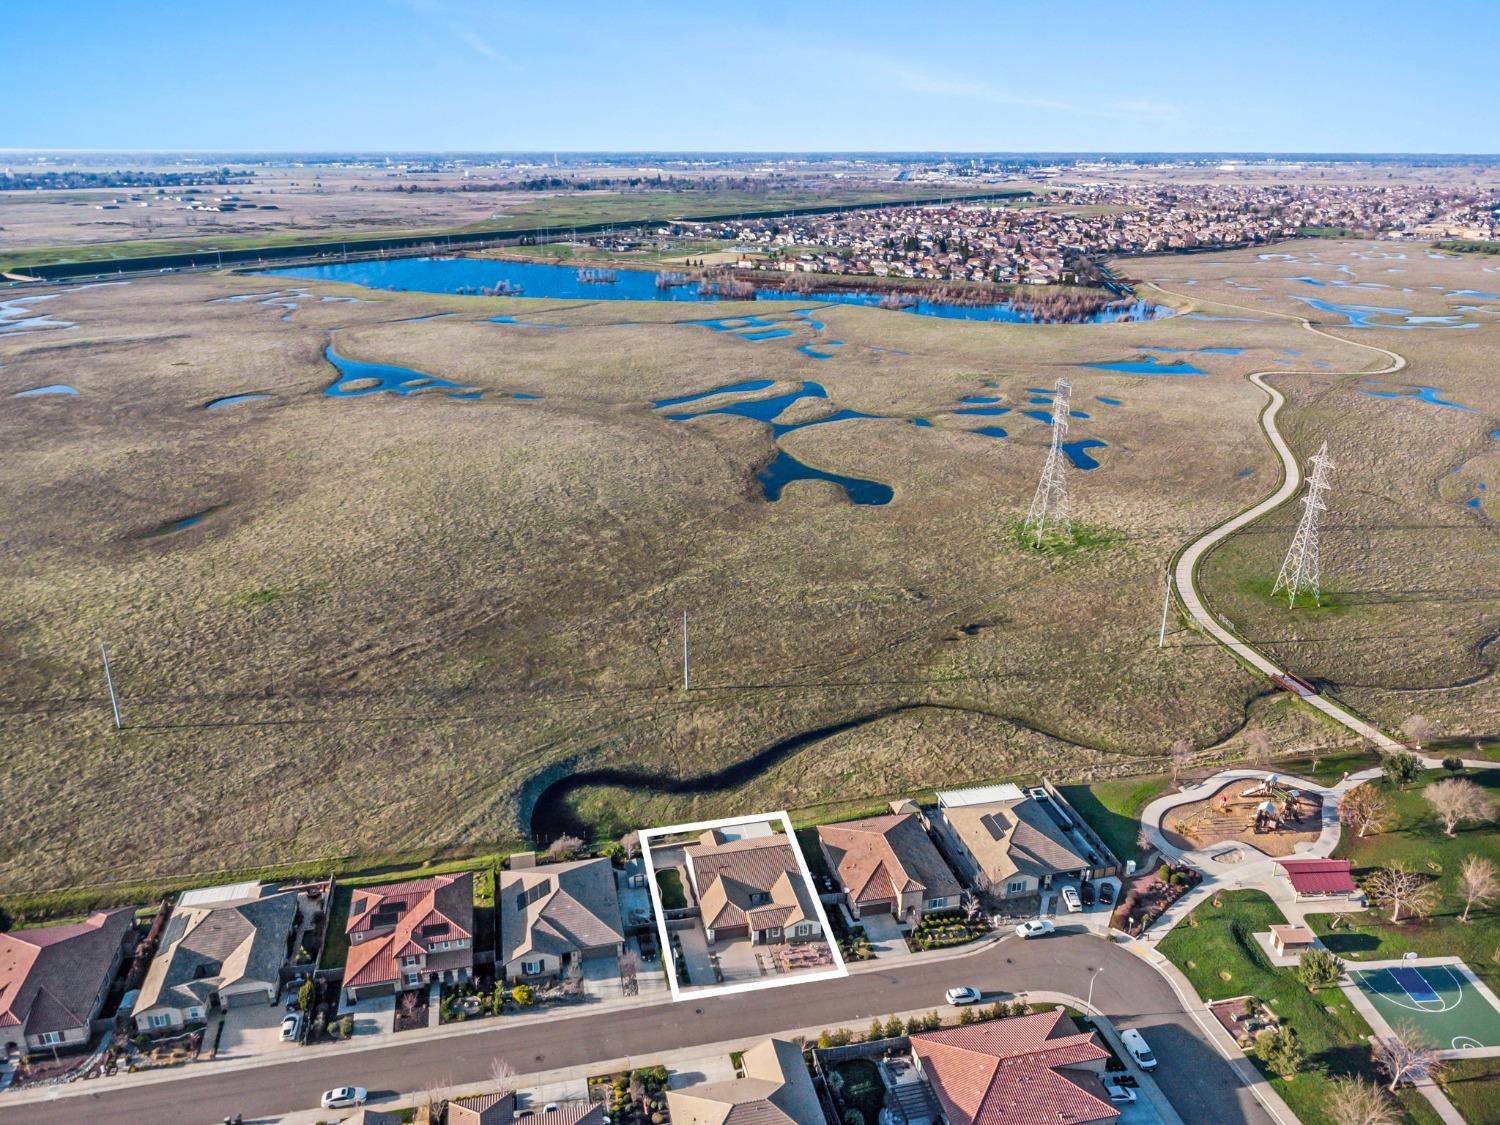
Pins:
<point x="1319" y="876"/>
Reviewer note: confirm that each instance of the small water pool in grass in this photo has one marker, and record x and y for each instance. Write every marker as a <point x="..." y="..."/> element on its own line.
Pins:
<point x="1243" y="473"/>
<point x="980" y="398"/>
<point x="784" y="469"/>
<point x="235" y="400"/>
<point x="732" y="388"/>
<point x="760" y="409"/>
<point x="990" y="431"/>
<point x="1078" y="452"/>
<point x="49" y="389"/>
<point x="520" y="323"/>
<point x="986" y="410"/>
<point x="925" y="423"/>
<point x="766" y="334"/>
<point x="1148" y="366"/>
<point x="1365" y="316"/>
<point x="1107" y="401"/>
<point x="357" y="378"/>
<point x="1421" y="394"/>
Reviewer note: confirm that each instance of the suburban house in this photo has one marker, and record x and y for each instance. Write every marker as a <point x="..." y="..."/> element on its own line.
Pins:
<point x="889" y="865"/>
<point x="407" y="935"/>
<point x="776" y="1090"/>
<point x="500" y="1109"/>
<point x="1027" y="1068"/>
<point x="1318" y="878"/>
<point x="1004" y="841"/>
<point x="557" y="915"/>
<point x="53" y="980"/>
<point x="751" y="887"/>
<point x="222" y="945"/>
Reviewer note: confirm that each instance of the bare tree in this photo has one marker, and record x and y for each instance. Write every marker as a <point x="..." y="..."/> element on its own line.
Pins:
<point x="564" y="847"/>
<point x="502" y="1076"/>
<point x="1403" y="1057"/>
<point x="1364" y="809"/>
<point x="1354" y="1102"/>
<point x="1182" y="756"/>
<point x="1419" y="730"/>
<point x="1456" y="800"/>
<point x="1401" y="888"/>
<point x="1259" y="747"/>
<point x="1477" y="882"/>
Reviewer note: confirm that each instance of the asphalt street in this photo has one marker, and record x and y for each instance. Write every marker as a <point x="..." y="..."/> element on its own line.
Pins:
<point x="1200" y="1084"/>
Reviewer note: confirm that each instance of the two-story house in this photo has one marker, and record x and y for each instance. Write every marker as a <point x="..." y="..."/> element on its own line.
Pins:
<point x="407" y="935"/>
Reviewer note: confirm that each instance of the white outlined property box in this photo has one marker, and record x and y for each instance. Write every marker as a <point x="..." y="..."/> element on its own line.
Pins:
<point x="696" y="992"/>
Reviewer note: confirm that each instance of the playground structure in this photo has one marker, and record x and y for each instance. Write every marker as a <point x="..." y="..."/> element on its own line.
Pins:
<point x="1268" y="814"/>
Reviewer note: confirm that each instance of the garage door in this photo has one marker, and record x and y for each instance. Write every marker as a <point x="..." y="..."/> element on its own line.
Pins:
<point x="882" y="907"/>
<point x="246" y="998"/>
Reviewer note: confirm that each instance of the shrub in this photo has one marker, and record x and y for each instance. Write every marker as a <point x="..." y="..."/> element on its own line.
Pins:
<point x="1164" y="873"/>
<point x="1453" y="765"/>
<point x="1318" y="968"/>
<point x="1401" y="768"/>
<point x="305" y="995"/>
<point x="523" y="995"/>
<point x="346" y="1026"/>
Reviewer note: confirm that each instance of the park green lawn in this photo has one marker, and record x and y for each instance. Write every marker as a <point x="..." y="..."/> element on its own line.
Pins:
<point x="669" y="882"/>
<point x="1415" y="837"/>
<point x="1473" y="1086"/>
<point x="1219" y="956"/>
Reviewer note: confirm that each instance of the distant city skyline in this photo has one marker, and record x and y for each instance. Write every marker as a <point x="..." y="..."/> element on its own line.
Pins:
<point x="465" y="75"/>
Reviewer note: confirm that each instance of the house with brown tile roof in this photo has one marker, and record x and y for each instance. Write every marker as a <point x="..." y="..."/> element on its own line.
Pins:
<point x="1004" y="842"/>
<point x="1028" y="1070"/>
<point x="407" y="935"/>
<point x="500" y="1109"/>
<point x="225" y="951"/>
<point x="776" y="1090"/>
<point x="889" y="865"/>
<point x="53" y="980"/>
<point x="558" y="915"/>
<point x="751" y="887"/>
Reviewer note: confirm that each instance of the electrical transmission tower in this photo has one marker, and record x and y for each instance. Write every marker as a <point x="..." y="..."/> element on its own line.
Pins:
<point x="1049" y="507"/>
<point x="1299" y="570"/>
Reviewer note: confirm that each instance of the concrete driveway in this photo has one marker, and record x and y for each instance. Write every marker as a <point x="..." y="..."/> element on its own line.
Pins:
<point x="375" y="1016"/>
<point x="885" y="937"/>
<point x="253" y="1032"/>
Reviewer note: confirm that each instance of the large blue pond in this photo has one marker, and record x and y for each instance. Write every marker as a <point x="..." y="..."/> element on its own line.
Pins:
<point x="1364" y="316"/>
<point x="555" y="282"/>
<point x="1148" y="366"/>
<point x="785" y="469"/>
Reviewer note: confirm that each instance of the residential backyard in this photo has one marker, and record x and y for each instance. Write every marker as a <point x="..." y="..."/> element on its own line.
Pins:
<point x="669" y="882"/>
<point x="336" y="947"/>
<point x="1221" y="959"/>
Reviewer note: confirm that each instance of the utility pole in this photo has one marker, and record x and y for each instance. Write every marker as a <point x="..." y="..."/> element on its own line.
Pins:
<point x="1166" y="604"/>
<point x="1300" y="570"/>
<point x="684" y="651"/>
<point x="114" y="700"/>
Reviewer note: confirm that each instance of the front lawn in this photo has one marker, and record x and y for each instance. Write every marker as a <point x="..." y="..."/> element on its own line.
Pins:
<point x="1221" y="959"/>
<point x="669" y="882"/>
<point x="1415" y="837"/>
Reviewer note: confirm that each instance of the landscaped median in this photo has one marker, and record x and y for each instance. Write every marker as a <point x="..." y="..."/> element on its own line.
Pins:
<point x="1214" y="948"/>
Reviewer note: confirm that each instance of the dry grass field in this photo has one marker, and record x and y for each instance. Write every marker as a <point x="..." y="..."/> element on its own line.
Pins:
<point x="1410" y="551"/>
<point x="403" y="616"/>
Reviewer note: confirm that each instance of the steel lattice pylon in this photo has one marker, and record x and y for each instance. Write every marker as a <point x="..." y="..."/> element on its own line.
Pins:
<point x="1300" y="569"/>
<point x="1049" y="506"/>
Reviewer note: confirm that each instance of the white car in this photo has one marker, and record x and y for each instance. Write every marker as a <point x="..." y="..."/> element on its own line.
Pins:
<point x="1119" y="1093"/>
<point x="962" y="995"/>
<point x="1037" y="927"/>
<point x="291" y="1027"/>
<point x="344" y="1097"/>
<point x="1071" y="900"/>
<point x="1139" y="1050"/>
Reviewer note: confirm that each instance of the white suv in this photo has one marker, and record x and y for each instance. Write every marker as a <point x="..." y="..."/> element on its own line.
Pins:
<point x="1071" y="900"/>
<point x="1139" y="1050"/>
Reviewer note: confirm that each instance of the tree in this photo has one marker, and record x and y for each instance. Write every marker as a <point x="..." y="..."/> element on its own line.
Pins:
<point x="1259" y="747"/>
<point x="893" y="1027"/>
<point x="565" y="847"/>
<point x="1318" y="968"/>
<point x="1453" y="765"/>
<point x="1281" y="1050"/>
<point x="1403" y="1057"/>
<point x="1419" y="730"/>
<point x="1364" y="809"/>
<point x="1456" y="800"/>
<point x="306" y="994"/>
<point x="1401" y="888"/>
<point x="877" y="1030"/>
<point x="1401" y="768"/>
<point x="1477" y="882"/>
<point x="1354" y="1102"/>
<point x="1181" y="755"/>
<point x="502" y="1076"/>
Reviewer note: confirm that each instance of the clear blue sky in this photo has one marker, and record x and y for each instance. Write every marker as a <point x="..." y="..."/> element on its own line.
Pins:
<point x="282" y="75"/>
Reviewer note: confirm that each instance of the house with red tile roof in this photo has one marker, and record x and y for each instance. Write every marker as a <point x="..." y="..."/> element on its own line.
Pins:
<point x="53" y="980"/>
<point x="407" y="935"/>
<point x="1318" y="878"/>
<point x="1027" y="1070"/>
<point x="751" y="887"/>
<point x="889" y="865"/>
